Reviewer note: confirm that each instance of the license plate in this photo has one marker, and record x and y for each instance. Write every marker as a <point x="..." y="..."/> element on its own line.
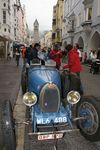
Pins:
<point x="50" y="136"/>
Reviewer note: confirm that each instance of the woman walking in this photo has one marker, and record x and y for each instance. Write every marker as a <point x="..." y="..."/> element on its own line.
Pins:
<point x="17" y="56"/>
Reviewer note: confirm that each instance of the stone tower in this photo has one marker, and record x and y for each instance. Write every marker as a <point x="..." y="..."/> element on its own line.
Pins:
<point x="36" y="32"/>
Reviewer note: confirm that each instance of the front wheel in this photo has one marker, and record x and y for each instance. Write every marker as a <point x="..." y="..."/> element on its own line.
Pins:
<point x="89" y="109"/>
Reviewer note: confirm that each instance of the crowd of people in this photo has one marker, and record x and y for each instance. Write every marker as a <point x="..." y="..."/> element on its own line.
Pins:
<point x="73" y="53"/>
<point x="56" y="54"/>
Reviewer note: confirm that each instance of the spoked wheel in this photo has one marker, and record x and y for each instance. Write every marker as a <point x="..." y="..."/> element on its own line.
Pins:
<point x="89" y="109"/>
<point x="8" y="126"/>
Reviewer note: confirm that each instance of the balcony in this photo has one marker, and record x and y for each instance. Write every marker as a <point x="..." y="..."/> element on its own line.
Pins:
<point x="87" y="26"/>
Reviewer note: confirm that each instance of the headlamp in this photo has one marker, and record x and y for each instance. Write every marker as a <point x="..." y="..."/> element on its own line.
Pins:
<point x="73" y="97"/>
<point x="29" y="99"/>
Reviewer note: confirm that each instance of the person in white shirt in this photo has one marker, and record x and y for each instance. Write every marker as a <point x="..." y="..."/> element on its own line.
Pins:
<point x="93" y="55"/>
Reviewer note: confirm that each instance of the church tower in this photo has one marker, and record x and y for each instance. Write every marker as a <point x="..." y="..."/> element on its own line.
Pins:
<point x="36" y="32"/>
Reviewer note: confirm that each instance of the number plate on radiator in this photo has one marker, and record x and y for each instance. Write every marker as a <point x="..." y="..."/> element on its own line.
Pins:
<point x="50" y="136"/>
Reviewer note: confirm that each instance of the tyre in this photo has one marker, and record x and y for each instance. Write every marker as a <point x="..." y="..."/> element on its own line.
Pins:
<point x="89" y="108"/>
<point x="8" y="126"/>
<point x="24" y="82"/>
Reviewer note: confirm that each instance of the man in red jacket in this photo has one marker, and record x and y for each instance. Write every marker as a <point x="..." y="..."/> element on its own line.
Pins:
<point x="56" y="55"/>
<point x="74" y="64"/>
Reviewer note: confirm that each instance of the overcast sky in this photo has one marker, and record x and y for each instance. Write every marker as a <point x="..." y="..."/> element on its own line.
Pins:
<point x="42" y="10"/>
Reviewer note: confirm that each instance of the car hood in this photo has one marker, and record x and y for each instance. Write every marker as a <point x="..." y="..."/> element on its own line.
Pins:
<point x="39" y="76"/>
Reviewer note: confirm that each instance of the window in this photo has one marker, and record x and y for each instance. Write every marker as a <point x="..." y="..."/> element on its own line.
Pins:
<point x="14" y="31"/>
<point x="54" y="21"/>
<point x="5" y="29"/>
<point x="88" y="13"/>
<point x="4" y="4"/>
<point x="53" y="35"/>
<point x="4" y="16"/>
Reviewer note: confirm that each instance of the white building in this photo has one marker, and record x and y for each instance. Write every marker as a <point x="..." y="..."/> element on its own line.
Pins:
<point x="6" y="25"/>
<point x="82" y="23"/>
<point x="12" y="25"/>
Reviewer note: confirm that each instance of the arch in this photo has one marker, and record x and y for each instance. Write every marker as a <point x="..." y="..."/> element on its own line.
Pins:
<point x="81" y="42"/>
<point x="94" y="41"/>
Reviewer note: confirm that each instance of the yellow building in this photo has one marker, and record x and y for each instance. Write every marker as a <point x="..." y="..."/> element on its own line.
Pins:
<point x="48" y="39"/>
<point x="57" y="22"/>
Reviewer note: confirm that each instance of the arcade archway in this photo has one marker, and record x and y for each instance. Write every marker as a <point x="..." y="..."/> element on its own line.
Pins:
<point x="81" y="43"/>
<point x="95" y="41"/>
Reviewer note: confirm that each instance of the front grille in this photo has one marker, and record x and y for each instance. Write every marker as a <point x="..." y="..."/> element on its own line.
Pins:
<point x="49" y="98"/>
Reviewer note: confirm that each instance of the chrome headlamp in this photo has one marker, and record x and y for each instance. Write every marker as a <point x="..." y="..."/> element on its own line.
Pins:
<point x="29" y="99"/>
<point x="73" y="97"/>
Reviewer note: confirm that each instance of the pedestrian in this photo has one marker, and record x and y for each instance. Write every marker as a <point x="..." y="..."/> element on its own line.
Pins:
<point x="17" y="56"/>
<point x="27" y="54"/>
<point x="23" y="51"/>
<point x="73" y="64"/>
<point x="93" y="56"/>
<point x="34" y="52"/>
<point x="98" y="53"/>
<point x="43" y="53"/>
<point x="48" y="53"/>
<point x="85" y="57"/>
<point x="56" y="55"/>
<point x="78" y="50"/>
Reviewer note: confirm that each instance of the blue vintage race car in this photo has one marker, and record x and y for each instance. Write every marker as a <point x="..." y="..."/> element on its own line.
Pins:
<point x="55" y="100"/>
<point x="51" y="96"/>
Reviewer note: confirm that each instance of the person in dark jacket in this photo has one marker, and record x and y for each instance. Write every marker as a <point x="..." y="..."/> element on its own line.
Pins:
<point x="34" y="51"/>
<point x="98" y="53"/>
<point x="27" y="54"/>
<point x="56" y="55"/>
<point x="74" y="64"/>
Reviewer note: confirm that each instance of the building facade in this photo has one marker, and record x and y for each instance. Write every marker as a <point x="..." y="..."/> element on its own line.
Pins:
<point x="57" y="22"/>
<point x="48" y="39"/>
<point x="12" y="25"/>
<point x="81" y="23"/>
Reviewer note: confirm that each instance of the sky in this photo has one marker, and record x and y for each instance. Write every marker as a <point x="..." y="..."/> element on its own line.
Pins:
<point x="42" y="10"/>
